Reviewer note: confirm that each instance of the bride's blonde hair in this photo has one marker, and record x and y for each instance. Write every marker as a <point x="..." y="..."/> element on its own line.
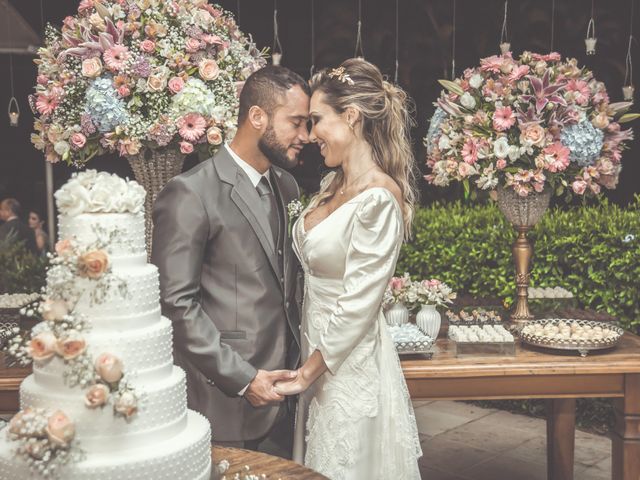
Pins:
<point x="386" y="120"/>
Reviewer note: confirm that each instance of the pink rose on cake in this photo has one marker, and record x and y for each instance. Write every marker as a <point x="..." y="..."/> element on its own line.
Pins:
<point x="97" y="396"/>
<point x="60" y="429"/>
<point x="126" y="404"/>
<point x="93" y="264"/>
<point x="71" y="347"/>
<point x="109" y="367"/>
<point x="43" y="346"/>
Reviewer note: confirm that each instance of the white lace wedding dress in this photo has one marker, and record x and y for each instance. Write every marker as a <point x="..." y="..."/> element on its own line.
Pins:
<point x="358" y="416"/>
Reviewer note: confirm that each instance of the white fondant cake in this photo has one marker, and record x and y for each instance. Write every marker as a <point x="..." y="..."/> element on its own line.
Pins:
<point x="162" y="440"/>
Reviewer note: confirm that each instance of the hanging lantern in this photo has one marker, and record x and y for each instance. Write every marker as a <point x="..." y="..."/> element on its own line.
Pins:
<point x="590" y="40"/>
<point x="505" y="47"/>
<point x="276" y="58"/>
<point x="627" y="92"/>
<point x="14" y="114"/>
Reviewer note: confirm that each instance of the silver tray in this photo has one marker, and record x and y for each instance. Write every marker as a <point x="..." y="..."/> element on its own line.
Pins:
<point x="583" y="347"/>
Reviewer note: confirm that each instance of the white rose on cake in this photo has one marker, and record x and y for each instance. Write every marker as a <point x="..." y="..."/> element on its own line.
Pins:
<point x="73" y="199"/>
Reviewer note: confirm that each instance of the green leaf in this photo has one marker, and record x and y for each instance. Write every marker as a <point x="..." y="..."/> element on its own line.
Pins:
<point x="628" y="117"/>
<point x="451" y="86"/>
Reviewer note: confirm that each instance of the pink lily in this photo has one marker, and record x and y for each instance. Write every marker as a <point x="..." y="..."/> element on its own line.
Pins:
<point x="544" y="92"/>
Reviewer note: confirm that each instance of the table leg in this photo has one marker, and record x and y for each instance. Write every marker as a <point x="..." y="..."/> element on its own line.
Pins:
<point x="625" y="454"/>
<point x="561" y="423"/>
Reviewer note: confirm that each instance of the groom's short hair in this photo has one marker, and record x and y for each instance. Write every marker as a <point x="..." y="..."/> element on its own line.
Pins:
<point x="266" y="87"/>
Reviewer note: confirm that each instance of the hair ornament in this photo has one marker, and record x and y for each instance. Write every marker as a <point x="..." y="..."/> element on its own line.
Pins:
<point x="341" y="75"/>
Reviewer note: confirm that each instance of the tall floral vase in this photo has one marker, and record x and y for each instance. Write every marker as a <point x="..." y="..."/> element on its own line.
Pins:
<point x="153" y="168"/>
<point x="428" y="320"/>
<point x="523" y="213"/>
<point x="397" y="314"/>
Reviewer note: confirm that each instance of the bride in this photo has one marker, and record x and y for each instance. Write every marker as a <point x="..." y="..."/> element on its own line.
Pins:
<point x="354" y="401"/>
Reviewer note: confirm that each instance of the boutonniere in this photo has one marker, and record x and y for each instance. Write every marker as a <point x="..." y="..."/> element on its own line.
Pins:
<point x="294" y="209"/>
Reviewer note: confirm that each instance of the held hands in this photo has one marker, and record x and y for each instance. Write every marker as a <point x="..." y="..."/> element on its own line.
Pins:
<point x="261" y="391"/>
<point x="312" y="369"/>
<point x="292" y="387"/>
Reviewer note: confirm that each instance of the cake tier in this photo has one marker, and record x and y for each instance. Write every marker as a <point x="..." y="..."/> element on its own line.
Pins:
<point x="146" y="354"/>
<point x="185" y="456"/>
<point x="141" y="297"/>
<point x="161" y="415"/>
<point x="126" y="247"/>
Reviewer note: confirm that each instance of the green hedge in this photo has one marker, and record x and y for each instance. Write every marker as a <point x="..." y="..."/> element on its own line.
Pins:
<point x="20" y="270"/>
<point x="592" y="251"/>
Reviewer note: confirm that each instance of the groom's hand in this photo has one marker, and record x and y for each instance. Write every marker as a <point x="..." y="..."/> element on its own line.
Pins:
<point x="261" y="390"/>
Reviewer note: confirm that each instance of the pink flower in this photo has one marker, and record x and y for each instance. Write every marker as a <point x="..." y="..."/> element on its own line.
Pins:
<point x="211" y="39"/>
<point x="594" y="187"/>
<point x="186" y="148"/>
<point x="116" y="57"/>
<point x="491" y="64"/>
<point x="192" y="126"/>
<point x="60" y="429"/>
<point x="46" y="103"/>
<point x="470" y="151"/>
<point x="109" y="367"/>
<point x="533" y="134"/>
<point x="43" y="346"/>
<point x="465" y="170"/>
<point x="85" y="5"/>
<point x="97" y="396"/>
<point x="71" y="348"/>
<point x="176" y="84"/>
<point x="64" y="248"/>
<point x="78" y="140"/>
<point x="518" y="72"/>
<point x="126" y="404"/>
<point x="550" y="57"/>
<point x="579" y="186"/>
<point x="556" y="157"/>
<point x="192" y="45"/>
<point x="124" y="91"/>
<point x="91" y="67"/>
<point x="208" y="69"/>
<point x="42" y="80"/>
<point x="214" y="136"/>
<point x="501" y="163"/>
<point x="148" y="46"/>
<point x="397" y="284"/>
<point x="503" y="119"/>
<point x="579" y="90"/>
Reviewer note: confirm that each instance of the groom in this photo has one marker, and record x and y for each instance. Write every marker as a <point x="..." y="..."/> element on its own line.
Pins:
<point x="227" y="269"/>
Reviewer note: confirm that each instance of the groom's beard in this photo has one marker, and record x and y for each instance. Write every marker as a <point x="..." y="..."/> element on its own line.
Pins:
<point x="275" y="151"/>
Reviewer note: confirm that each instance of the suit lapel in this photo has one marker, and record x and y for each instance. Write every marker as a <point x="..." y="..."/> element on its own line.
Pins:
<point x="246" y="198"/>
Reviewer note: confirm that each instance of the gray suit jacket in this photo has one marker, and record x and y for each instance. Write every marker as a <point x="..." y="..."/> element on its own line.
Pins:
<point x="229" y="297"/>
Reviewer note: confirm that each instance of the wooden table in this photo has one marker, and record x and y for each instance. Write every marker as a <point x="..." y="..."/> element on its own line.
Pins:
<point x="10" y="379"/>
<point x="274" y="468"/>
<point x="561" y="378"/>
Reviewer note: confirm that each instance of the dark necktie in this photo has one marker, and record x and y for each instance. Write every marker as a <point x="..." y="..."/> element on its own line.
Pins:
<point x="270" y="206"/>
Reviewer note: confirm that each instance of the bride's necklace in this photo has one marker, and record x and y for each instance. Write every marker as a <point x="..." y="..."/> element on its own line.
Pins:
<point x="350" y="184"/>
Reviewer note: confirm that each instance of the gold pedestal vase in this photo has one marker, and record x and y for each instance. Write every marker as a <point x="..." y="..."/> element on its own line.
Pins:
<point x="523" y="213"/>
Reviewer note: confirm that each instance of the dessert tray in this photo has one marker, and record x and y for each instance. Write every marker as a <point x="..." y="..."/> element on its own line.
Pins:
<point x="569" y="334"/>
<point x="410" y="340"/>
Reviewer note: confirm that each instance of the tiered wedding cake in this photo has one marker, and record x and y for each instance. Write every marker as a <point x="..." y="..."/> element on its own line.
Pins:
<point x="105" y="400"/>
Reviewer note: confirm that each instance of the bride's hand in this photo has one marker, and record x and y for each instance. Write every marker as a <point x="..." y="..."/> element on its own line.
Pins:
<point x="291" y="387"/>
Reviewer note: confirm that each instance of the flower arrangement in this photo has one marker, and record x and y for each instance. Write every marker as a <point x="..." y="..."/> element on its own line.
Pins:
<point x="397" y="290"/>
<point x="46" y="441"/>
<point x="528" y="124"/>
<point x="429" y="292"/>
<point x="91" y="191"/>
<point x="121" y="76"/>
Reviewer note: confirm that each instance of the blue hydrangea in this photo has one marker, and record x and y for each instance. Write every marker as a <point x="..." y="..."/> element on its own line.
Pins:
<point x="584" y="142"/>
<point x="434" y="128"/>
<point x="106" y="109"/>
